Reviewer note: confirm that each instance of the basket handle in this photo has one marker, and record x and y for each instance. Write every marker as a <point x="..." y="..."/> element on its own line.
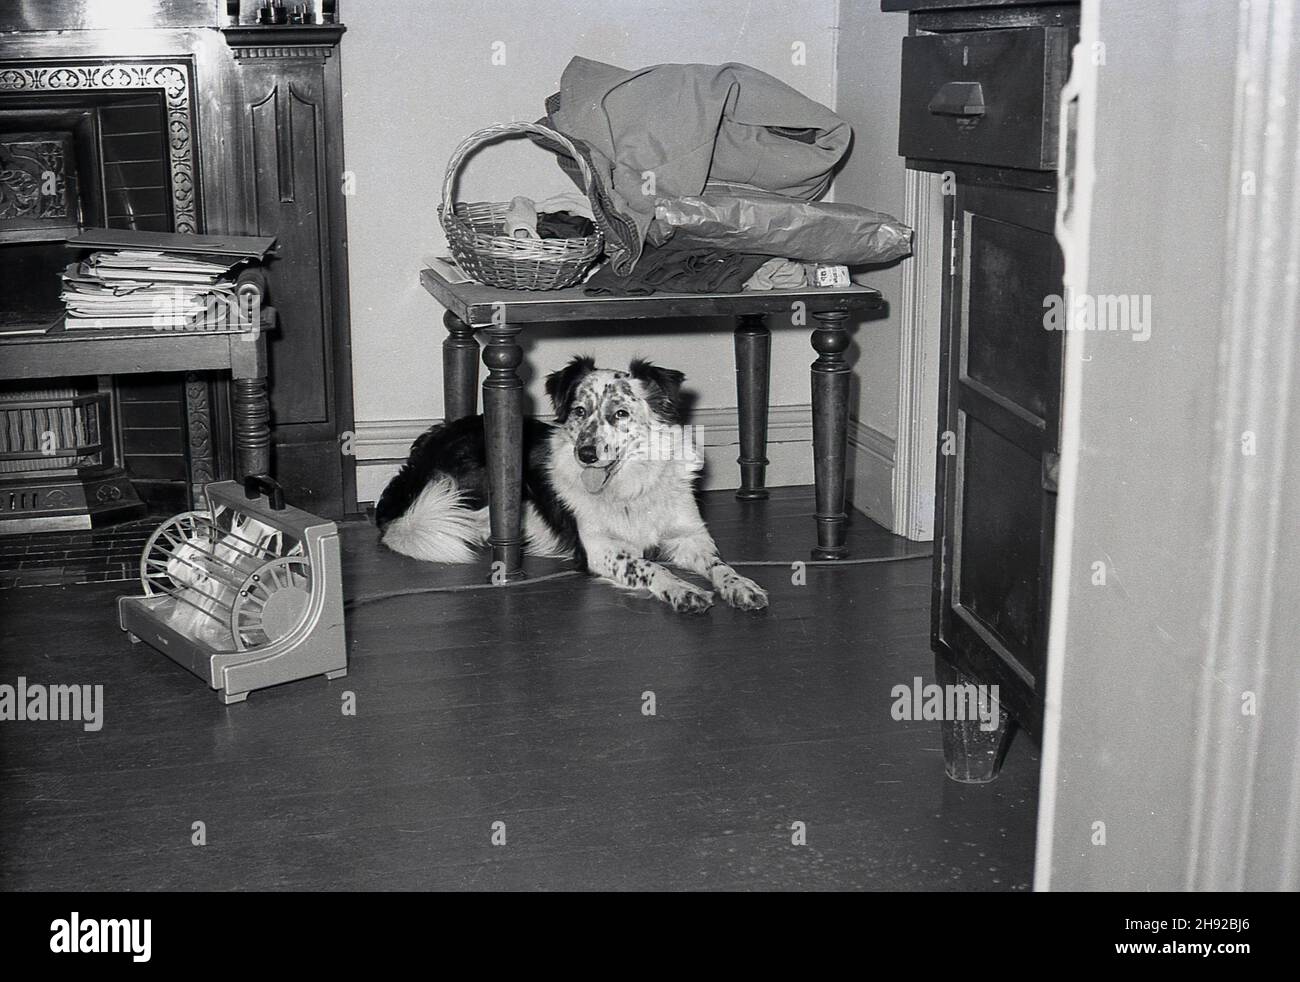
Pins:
<point x="491" y="133"/>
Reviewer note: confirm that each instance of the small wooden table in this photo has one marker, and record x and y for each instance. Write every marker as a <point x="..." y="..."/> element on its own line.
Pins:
<point x="502" y="314"/>
<point x="123" y="351"/>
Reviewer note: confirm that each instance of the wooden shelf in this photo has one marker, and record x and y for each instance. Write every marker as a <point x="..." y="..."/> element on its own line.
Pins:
<point x="283" y="35"/>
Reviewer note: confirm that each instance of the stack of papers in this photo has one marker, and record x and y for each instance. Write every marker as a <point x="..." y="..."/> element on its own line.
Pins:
<point x="136" y="288"/>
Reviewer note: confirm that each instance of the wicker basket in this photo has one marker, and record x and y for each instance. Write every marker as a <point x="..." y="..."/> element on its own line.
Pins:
<point x="476" y="230"/>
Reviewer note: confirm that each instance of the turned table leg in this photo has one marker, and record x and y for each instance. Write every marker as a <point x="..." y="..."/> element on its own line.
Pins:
<point x="504" y="424"/>
<point x="250" y="408"/>
<point x="753" y="360"/>
<point x="459" y="369"/>
<point x="252" y="417"/>
<point x="830" y="408"/>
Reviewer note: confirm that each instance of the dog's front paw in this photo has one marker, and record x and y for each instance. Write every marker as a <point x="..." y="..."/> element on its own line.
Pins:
<point x="743" y="593"/>
<point x="686" y="599"/>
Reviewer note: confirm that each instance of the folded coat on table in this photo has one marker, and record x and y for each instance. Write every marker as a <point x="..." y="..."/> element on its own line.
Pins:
<point x="672" y="130"/>
<point x="773" y="225"/>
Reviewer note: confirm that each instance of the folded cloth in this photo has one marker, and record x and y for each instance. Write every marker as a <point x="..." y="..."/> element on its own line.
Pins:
<point x="622" y="239"/>
<point x="570" y="201"/>
<point x="562" y="225"/>
<point x="778" y="274"/>
<point x="670" y="269"/>
<point x="689" y="126"/>
<point x="521" y="218"/>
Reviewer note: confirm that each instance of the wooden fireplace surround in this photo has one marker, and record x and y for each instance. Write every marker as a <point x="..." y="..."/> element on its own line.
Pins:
<point x="261" y="108"/>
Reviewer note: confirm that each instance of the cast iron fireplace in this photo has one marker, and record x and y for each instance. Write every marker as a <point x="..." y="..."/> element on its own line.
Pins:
<point x="92" y="143"/>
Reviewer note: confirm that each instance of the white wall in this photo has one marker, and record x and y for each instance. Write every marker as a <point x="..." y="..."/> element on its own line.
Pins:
<point x="418" y="78"/>
<point x="866" y="94"/>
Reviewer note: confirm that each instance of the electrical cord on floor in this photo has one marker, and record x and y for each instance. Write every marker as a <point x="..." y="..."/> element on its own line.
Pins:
<point x="831" y="562"/>
<point x="462" y="588"/>
<point x="466" y="587"/>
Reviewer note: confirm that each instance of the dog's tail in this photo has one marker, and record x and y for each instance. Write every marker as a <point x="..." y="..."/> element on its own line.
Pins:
<point x="441" y="517"/>
<point x="413" y="477"/>
<point x="439" y="526"/>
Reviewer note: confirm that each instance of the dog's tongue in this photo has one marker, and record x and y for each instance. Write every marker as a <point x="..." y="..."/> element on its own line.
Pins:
<point x="594" y="478"/>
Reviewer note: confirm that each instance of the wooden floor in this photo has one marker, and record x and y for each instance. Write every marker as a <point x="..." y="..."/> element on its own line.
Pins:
<point x="520" y="705"/>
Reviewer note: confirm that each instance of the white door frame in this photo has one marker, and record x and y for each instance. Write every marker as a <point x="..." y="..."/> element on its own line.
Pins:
<point x="918" y="357"/>
<point x="1172" y="715"/>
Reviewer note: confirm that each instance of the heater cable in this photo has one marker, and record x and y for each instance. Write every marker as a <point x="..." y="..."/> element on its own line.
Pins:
<point x="563" y="574"/>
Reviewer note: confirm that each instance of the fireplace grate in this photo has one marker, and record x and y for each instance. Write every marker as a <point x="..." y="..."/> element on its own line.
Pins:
<point x="52" y="433"/>
<point x="59" y="467"/>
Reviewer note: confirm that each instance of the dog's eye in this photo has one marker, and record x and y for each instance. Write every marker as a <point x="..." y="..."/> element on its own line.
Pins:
<point x="622" y="414"/>
<point x="579" y="412"/>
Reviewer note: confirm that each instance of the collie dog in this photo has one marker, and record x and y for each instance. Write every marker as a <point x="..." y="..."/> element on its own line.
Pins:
<point x="610" y="485"/>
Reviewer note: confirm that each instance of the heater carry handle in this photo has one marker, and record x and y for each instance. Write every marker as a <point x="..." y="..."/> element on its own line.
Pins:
<point x="258" y="484"/>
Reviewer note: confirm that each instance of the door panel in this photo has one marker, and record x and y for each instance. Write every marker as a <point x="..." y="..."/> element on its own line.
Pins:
<point x="997" y="548"/>
<point x="1006" y="346"/>
<point x="287" y="167"/>
<point x="1000" y="397"/>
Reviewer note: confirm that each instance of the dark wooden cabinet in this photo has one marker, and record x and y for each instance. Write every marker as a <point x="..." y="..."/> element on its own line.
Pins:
<point x="285" y="118"/>
<point x="999" y="411"/>
<point x="980" y="104"/>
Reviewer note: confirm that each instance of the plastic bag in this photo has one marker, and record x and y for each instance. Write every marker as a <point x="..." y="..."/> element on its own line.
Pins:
<point x="776" y="225"/>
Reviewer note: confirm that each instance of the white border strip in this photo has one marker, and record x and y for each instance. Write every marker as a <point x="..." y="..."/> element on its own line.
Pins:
<point x="1074" y="241"/>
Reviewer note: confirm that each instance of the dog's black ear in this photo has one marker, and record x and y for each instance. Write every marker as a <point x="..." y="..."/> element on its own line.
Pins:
<point x="664" y="387"/>
<point x="561" y="385"/>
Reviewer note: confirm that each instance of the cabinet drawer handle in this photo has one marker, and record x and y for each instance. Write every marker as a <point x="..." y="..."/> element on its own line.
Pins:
<point x="958" y="99"/>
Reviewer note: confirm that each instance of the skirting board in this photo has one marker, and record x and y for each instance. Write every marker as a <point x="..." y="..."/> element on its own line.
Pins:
<point x="380" y="447"/>
<point x="871" y="473"/>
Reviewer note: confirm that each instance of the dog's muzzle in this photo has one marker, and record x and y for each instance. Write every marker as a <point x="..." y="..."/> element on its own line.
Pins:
<point x="595" y="474"/>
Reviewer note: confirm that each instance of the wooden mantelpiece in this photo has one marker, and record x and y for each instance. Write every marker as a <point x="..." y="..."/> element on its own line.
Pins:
<point x="264" y="113"/>
<point x="261" y="40"/>
<point x="110" y="15"/>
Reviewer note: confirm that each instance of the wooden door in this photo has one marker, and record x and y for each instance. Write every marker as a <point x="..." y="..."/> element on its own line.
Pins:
<point x="999" y="421"/>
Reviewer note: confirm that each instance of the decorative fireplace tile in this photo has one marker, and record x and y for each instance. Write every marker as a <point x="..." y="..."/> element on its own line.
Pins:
<point x="171" y="79"/>
<point x="38" y="191"/>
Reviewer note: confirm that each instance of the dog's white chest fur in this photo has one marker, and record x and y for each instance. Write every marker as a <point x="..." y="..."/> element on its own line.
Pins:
<point x="644" y="504"/>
